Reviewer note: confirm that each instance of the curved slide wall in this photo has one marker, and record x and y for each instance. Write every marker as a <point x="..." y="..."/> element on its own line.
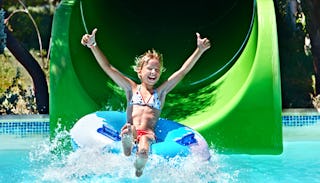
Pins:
<point x="232" y="96"/>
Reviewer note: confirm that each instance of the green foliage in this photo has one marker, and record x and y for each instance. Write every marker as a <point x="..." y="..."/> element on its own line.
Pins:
<point x="7" y="72"/>
<point x="42" y="12"/>
<point x="16" y="99"/>
<point x="16" y="86"/>
<point x="15" y="3"/>
<point x="3" y="35"/>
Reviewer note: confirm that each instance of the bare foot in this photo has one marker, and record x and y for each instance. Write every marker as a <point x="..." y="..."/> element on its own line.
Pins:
<point x="127" y="140"/>
<point x="140" y="162"/>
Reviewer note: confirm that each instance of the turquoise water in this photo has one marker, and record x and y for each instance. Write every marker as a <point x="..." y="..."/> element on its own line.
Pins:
<point x="41" y="161"/>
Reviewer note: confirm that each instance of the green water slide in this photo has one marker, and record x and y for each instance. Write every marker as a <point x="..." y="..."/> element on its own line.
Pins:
<point x="232" y="96"/>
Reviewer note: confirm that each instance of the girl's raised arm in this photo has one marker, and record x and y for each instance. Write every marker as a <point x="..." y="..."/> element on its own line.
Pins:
<point x="124" y="82"/>
<point x="175" y="78"/>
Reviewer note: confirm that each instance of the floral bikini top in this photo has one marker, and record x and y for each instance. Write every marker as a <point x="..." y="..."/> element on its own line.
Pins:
<point x="153" y="101"/>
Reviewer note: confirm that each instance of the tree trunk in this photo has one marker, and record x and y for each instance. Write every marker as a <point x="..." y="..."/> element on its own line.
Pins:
<point x="312" y="8"/>
<point x="34" y="69"/>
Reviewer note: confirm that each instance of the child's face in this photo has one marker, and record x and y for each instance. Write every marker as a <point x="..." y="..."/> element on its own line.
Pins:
<point x="150" y="72"/>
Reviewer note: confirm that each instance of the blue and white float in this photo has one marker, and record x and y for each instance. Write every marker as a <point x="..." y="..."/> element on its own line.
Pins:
<point x="101" y="130"/>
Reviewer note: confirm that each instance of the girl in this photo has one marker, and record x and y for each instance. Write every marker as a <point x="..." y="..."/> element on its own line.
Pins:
<point x="144" y="102"/>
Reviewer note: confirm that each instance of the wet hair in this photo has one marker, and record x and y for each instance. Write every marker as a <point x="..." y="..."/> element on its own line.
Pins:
<point x="145" y="57"/>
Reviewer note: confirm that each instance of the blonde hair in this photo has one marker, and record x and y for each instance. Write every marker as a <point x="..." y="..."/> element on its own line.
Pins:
<point x="145" y="57"/>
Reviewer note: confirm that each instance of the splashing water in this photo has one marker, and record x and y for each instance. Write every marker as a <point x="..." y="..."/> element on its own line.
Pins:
<point x="51" y="163"/>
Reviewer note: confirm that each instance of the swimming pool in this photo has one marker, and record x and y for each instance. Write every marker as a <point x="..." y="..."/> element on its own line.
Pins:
<point x="31" y="158"/>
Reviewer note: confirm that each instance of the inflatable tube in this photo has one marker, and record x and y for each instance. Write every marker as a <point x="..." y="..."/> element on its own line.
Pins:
<point x="101" y="130"/>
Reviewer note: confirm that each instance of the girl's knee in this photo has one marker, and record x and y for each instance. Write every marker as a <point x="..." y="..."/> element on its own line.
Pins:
<point x="143" y="153"/>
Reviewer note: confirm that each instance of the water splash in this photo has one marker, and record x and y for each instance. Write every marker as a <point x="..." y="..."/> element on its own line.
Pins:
<point x="50" y="162"/>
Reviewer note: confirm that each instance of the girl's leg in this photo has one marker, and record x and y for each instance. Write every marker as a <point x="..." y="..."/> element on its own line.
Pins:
<point x="127" y="132"/>
<point x="142" y="154"/>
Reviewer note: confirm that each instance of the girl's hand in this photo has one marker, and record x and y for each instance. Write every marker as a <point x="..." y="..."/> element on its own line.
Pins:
<point x="203" y="44"/>
<point x="89" y="40"/>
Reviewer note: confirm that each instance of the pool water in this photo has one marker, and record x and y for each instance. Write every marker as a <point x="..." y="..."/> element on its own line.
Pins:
<point x="298" y="163"/>
<point x="41" y="161"/>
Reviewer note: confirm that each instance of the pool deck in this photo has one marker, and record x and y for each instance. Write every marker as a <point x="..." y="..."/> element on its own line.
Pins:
<point x="23" y="131"/>
<point x="301" y="124"/>
<point x="25" y="117"/>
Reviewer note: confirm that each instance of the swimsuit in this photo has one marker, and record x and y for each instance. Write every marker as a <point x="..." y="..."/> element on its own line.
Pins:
<point x="141" y="133"/>
<point x="153" y="101"/>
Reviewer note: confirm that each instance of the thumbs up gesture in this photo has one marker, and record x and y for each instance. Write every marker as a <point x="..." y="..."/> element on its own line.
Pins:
<point x="89" y="40"/>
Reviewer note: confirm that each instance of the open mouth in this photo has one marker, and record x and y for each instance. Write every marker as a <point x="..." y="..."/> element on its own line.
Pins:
<point x="152" y="78"/>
